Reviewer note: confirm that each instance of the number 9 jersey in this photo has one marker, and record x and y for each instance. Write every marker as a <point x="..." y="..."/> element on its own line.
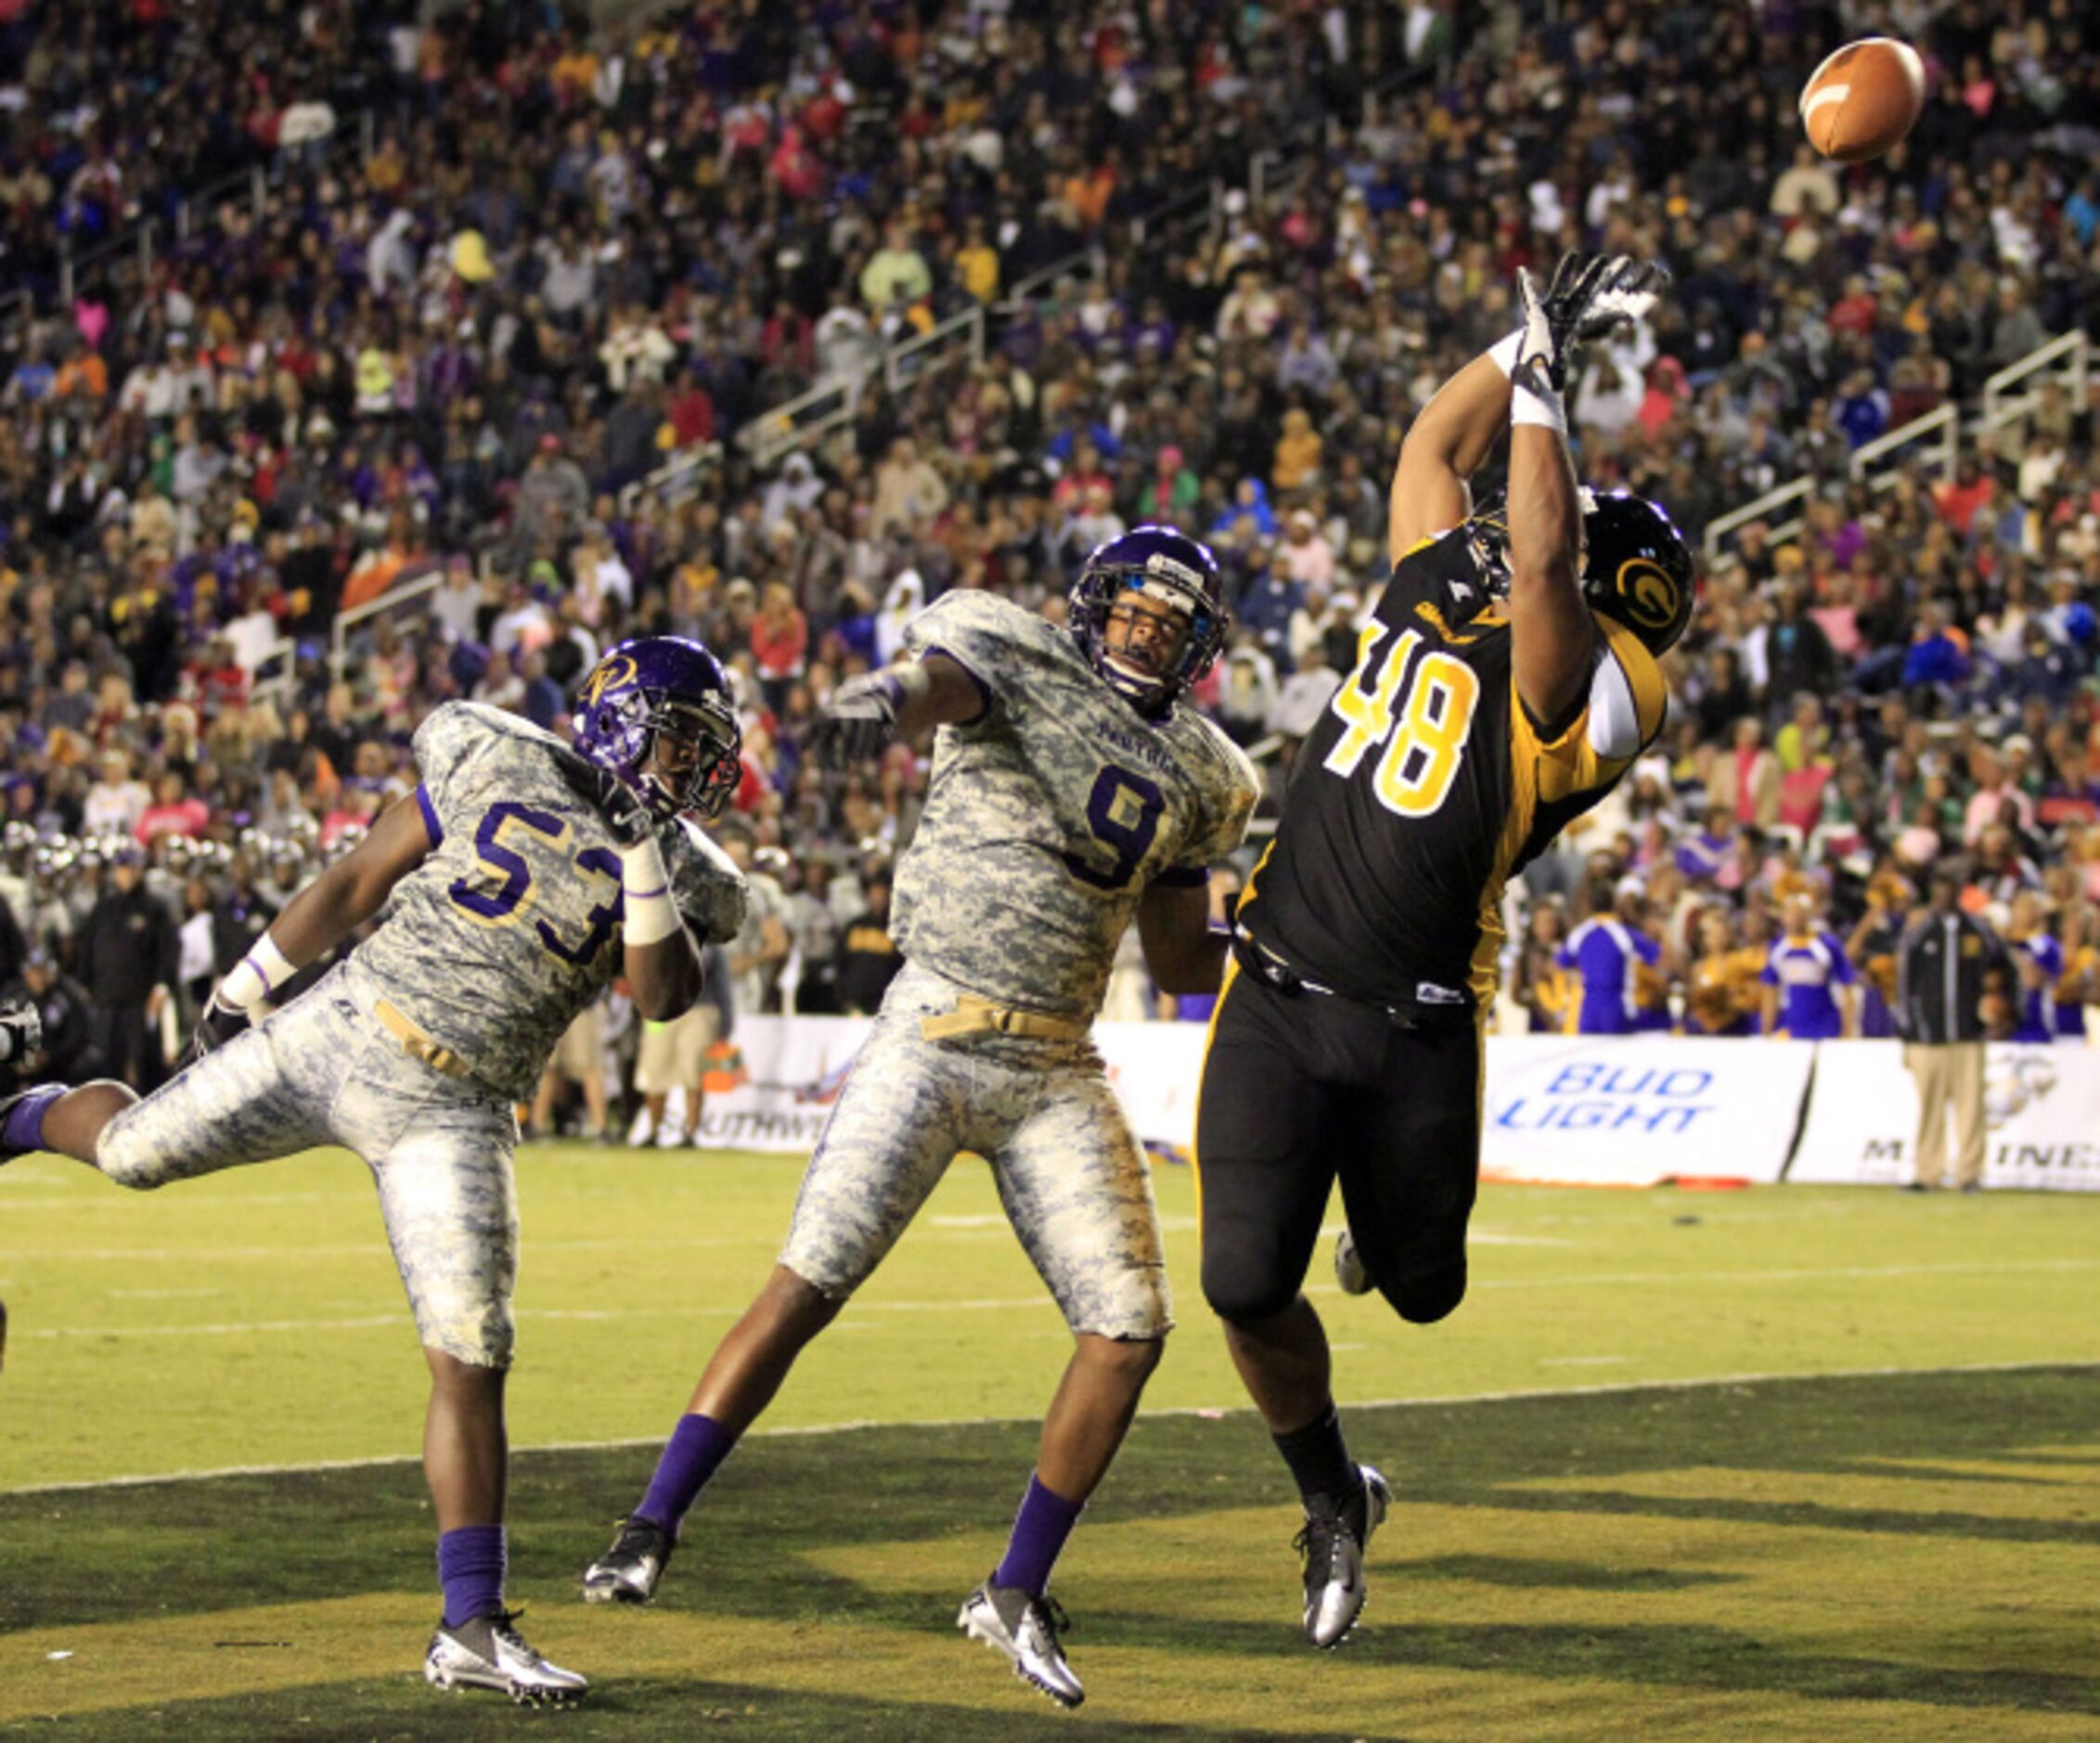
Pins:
<point x="1426" y="785"/>
<point x="1051" y="812"/>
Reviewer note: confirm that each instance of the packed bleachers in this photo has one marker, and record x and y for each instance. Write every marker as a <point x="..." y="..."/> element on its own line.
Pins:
<point x="1254" y="241"/>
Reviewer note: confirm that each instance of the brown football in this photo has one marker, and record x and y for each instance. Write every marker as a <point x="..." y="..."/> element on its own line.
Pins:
<point x="1863" y="98"/>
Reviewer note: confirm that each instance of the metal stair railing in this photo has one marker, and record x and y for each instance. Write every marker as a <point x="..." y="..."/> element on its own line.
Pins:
<point x="424" y="581"/>
<point x="1878" y="464"/>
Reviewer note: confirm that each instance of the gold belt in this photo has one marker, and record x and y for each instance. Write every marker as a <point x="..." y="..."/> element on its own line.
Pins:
<point x="974" y="1015"/>
<point x="417" y="1045"/>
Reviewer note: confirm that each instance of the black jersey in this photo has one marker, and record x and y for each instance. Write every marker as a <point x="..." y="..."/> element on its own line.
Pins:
<point x="1426" y="784"/>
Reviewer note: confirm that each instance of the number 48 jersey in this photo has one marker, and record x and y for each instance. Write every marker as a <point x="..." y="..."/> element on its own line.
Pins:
<point x="1426" y="785"/>
<point x="512" y="924"/>
<point x="1049" y="814"/>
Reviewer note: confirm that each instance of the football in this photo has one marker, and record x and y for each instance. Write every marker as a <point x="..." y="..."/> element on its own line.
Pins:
<point x="1863" y="99"/>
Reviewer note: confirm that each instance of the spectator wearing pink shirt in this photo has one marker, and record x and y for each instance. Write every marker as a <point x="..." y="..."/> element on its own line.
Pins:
<point x="1311" y="557"/>
<point x="1992" y="789"/>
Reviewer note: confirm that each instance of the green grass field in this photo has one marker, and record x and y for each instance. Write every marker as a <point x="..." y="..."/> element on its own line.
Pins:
<point x="1782" y="1463"/>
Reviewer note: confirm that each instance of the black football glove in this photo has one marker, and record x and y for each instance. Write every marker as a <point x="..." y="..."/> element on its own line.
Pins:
<point x="625" y="812"/>
<point x="216" y="1028"/>
<point x="1592" y="297"/>
<point x="856" y="725"/>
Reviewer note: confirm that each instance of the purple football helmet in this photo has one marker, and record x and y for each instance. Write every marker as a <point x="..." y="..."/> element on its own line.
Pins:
<point x="1164" y="564"/>
<point x="662" y="684"/>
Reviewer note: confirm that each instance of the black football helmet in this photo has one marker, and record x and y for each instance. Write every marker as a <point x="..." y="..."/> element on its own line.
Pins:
<point x="1637" y="570"/>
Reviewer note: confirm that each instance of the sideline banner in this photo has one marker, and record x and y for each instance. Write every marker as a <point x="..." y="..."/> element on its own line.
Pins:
<point x="2041" y="1106"/>
<point x="1635" y="1110"/>
<point x="777" y="1089"/>
<point x="1627" y="1111"/>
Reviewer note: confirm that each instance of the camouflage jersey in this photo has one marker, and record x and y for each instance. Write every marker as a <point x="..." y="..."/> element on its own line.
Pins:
<point x="511" y="926"/>
<point x="1051" y="812"/>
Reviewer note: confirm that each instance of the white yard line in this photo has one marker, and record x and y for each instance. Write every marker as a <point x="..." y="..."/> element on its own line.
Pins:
<point x="1440" y="1402"/>
<point x="1003" y="1304"/>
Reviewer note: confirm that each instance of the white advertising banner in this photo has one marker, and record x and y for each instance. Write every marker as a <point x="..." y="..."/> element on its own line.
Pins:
<point x="789" y="1072"/>
<point x="1635" y="1110"/>
<point x="2042" y="1106"/>
<point x="786" y="1076"/>
<point x="1620" y="1111"/>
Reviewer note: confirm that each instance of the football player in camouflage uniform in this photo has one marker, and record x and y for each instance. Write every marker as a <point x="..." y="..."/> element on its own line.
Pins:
<point x="1070" y="791"/>
<point x="523" y="875"/>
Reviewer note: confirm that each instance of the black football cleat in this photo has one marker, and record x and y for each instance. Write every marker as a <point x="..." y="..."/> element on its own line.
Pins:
<point x="487" y="1652"/>
<point x="629" y="1571"/>
<point x="1025" y="1629"/>
<point x="1333" y="1563"/>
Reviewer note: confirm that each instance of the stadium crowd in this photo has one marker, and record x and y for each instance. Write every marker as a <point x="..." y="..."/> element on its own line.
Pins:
<point x="568" y="258"/>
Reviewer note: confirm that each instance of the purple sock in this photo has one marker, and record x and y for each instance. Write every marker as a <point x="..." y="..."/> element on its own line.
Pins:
<point x="470" y="1565"/>
<point x="1039" y="1529"/>
<point x="695" y="1452"/>
<point x="23" y="1130"/>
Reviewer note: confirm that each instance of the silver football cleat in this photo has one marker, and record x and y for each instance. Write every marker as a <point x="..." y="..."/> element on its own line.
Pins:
<point x="629" y="1571"/>
<point x="1025" y="1629"/>
<point x="487" y="1652"/>
<point x="1349" y="1270"/>
<point x="1334" y="1564"/>
<point x="21" y="1030"/>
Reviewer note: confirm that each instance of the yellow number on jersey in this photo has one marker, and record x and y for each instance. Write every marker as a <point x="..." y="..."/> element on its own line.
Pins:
<point x="1365" y="702"/>
<point x="1421" y="758"/>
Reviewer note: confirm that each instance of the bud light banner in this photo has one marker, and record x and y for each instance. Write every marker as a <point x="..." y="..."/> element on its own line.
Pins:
<point x="1635" y="1111"/>
<point x="2040" y="1117"/>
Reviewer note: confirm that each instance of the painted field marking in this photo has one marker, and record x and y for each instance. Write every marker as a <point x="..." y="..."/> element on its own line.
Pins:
<point x="1207" y="1412"/>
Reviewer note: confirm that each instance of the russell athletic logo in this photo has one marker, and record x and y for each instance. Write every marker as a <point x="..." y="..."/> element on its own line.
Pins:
<point x="1649" y="594"/>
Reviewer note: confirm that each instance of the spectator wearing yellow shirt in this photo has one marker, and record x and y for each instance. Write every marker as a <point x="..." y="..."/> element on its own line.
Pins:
<point x="977" y="264"/>
<point x="576" y="68"/>
<point x="1297" y="452"/>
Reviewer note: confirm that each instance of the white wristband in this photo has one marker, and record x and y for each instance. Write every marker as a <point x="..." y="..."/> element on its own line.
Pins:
<point x="1540" y="409"/>
<point x="1504" y="352"/>
<point x="258" y="974"/>
<point x="645" y="886"/>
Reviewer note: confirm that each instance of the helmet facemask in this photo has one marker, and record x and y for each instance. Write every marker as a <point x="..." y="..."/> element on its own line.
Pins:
<point x="1190" y="611"/>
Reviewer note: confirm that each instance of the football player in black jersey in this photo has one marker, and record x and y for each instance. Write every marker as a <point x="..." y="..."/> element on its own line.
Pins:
<point x="1506" y="680"/>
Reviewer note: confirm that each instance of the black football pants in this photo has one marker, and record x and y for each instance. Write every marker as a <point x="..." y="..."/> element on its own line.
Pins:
<point x="1299" y="1088"/>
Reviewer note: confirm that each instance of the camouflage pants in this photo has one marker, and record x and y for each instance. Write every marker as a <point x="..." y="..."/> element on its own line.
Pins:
<point x="322" y="1071"/>
<point x="1074" y="1182"/>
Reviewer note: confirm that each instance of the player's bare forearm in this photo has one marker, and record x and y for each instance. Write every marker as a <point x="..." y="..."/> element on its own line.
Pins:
<point x="1551" y="638"/>
<point x="1184" y="954"/>
<point x="665" y="976"/>
<point x="1446" y="446"/>
<point x="351" y="891"/>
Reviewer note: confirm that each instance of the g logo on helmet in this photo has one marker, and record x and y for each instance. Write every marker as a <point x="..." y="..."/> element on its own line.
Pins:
<point x="615" y="672"/>
<point x="1648" y="593"/>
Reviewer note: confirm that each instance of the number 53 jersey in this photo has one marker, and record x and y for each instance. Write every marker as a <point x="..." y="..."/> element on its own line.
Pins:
<point x="1049" y="814"/>
<point x="514" y="924"/>
<point x="1426" y="785"/>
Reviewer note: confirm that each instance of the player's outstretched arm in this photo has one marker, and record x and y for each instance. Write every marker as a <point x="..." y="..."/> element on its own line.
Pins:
<point x="328" y="911"/>
<point x="866" y="715"/>
<point x="1445" y="446"/>
<point x="1589" y="297"/>
<point x="1553" y="640"/>
<point x="1184" y="954"/>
